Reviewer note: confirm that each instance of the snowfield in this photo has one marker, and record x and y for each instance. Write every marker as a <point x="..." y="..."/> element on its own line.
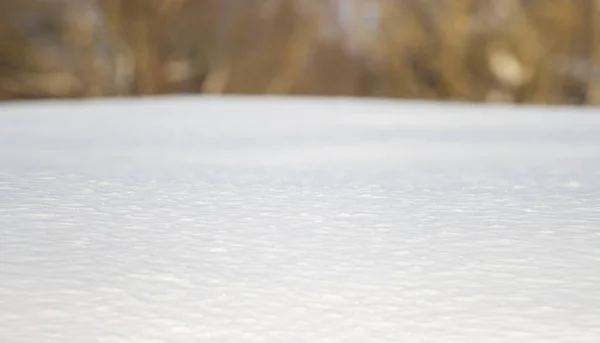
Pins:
<point x="274" y="220"/>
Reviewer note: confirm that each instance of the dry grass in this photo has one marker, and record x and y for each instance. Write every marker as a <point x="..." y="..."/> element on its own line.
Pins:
<point x="523" y="51"/>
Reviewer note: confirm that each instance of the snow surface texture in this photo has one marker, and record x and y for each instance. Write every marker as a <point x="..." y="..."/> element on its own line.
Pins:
<point x="241" y="220"/>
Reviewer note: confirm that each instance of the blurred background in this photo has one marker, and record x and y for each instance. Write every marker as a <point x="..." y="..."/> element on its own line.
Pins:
<point x="515" y="51"/>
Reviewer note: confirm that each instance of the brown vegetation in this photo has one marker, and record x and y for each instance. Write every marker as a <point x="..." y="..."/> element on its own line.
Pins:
<point x="524" y="51"/>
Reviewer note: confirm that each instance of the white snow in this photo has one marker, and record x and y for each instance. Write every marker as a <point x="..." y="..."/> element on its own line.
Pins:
<point x="276" y="220"/>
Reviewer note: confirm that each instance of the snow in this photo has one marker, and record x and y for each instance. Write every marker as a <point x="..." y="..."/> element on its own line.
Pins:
<point x="309" y="220"/>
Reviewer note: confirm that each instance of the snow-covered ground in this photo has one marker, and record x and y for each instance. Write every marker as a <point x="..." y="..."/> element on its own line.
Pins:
<point x="254" y="220"/>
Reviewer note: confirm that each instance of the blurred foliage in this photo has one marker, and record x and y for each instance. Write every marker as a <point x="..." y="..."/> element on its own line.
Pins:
<point x="523" y="51"/>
